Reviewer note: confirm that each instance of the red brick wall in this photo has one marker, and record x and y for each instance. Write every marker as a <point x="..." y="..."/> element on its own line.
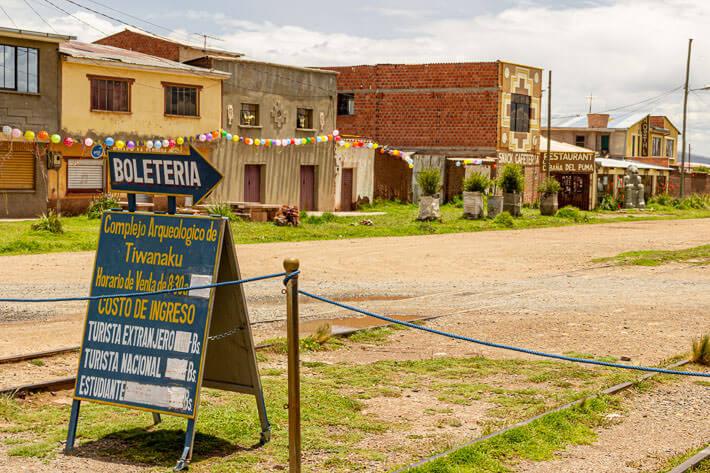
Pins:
<point x="654" y="161"/>
<point x="695" y="183"/>
<point x="657" y="121"/>
<point x="143" y="44"/>
<point x="417" y="117"/>
<point x="392" y="179"/>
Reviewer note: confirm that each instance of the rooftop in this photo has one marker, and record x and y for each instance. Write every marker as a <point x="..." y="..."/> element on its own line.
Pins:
<point x="624" y="163"/>
<point x="99" y="52"/>
<point x="34" y="35"/>
<point x="560" y="147"/>
<point x="187" y="44"/>
<point x="616" y="121"/>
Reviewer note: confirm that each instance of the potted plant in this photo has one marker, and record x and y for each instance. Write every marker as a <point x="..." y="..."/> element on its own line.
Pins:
<point x="548" y="196"/>
<point x="428" y="181"/>
<point x="473" y="188"/>
<point x="512" y="182"/>
<point x="495" y="201"/>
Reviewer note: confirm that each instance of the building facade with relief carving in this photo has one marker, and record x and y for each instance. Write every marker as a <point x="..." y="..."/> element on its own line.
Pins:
<point x="443" y="113"/>
<point x="262" y="100"/>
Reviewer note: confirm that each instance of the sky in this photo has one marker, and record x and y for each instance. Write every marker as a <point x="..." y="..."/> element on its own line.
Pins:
<point x="621" y="52"/>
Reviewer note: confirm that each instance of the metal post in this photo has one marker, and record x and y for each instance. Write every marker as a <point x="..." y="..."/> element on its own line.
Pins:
<point x="685" y="116"/>
<point x="549" y="120"/>
<point x="294" y="375"/>
<point x="71" y="434"/>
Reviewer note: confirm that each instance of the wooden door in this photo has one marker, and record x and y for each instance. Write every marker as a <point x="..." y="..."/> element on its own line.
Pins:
<point x="252" y="183"/>
<point x="574" y="190"/>
<point x="346" y="190"/>
<point x="308" y="182"/>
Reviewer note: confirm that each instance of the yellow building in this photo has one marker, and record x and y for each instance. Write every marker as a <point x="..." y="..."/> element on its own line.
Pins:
<point x="653" y="137"/>
<point x="127" y="96"/>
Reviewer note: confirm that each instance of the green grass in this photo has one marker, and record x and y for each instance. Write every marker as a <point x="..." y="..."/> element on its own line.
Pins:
<point x="699" y="255"/>
<point x="333" y="421"/>
<point x="671" y="463"/>
<point x="81" y="233"/>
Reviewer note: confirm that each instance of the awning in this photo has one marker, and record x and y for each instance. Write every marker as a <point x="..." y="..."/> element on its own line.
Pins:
<point x="620" y="163"/>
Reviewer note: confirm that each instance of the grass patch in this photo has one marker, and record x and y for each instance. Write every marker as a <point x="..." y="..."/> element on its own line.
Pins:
<point x="81" y="233"/>
<point x="671" y="463"/>
<point x="372" y="336"/>
<point x="699" y="255"/>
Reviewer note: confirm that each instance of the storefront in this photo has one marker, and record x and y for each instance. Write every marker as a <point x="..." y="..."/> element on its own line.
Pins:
<point x="531" y="171"/>
<point x="611" y="172"/>
<point x="574" y="168"/>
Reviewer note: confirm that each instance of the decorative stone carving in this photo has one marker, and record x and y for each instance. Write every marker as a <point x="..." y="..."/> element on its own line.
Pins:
<point x="321" y="120"/>
<point x="633" y="189"/>
<point x="278" y="114"/>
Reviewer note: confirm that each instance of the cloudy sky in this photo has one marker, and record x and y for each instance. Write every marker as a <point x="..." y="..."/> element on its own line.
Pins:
<point x="621" y="51"/>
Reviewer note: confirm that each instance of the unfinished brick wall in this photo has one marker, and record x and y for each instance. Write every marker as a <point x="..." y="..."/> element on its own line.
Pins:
<point x="423" y="105"/>
<point x="392" y="179"/>
<point x="695" y="183"/>
<point x="143" y="44"/>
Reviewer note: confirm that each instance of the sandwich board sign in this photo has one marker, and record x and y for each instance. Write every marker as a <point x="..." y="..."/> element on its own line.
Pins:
<point x="155" y="352"/>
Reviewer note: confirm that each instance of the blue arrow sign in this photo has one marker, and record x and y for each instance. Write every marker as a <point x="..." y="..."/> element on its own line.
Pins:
<point x="162" y="174"/>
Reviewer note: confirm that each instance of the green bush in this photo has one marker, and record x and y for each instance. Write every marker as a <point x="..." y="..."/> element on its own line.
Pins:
<point x="570" y="212"/>
<point x="222" y="209"/>
<point x="49" y="222"/>
<point x="549" y="186"/>
<point x="512" y="180"/>
<point x="476" y="182"/>
<point x="696" y="201"/>
<point x="329" y="217"/>
<point x="504" y="219"/>
<point x="702" y="169"/>
<point x="608" y="202"/>
<point x="664" y="200"/>
<point x="101" y="203"/>
<point x="428" y="181"/>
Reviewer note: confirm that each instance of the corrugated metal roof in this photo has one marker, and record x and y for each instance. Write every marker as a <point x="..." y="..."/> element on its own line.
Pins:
<point x="100" y="52"/>
<point x="39" y="35"/>
<point x="619" y="163"/>
<point x="616" y="121"/>
<point x="560" y="147"/>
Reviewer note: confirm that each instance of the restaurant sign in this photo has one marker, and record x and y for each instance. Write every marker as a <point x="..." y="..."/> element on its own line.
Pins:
<point x="569" y="162"/>
<point x="523" y="159"/>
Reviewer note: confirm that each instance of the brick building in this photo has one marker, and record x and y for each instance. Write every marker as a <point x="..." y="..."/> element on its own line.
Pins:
<point x="479" y="110"/>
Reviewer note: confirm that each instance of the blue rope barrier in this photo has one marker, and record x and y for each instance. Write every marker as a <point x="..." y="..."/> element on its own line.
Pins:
<point x="151" y="293"/>
<point x="291" y="275"/>
<point x="505" y="347"/>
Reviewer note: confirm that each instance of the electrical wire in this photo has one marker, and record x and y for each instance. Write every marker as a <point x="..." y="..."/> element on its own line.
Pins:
<point x="9" y="17"/>
<point x="77" y="19"/>
<point x="644" y="102"/>
<point x="40" y="16"/>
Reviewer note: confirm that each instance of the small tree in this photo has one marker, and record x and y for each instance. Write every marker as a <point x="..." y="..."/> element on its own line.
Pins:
<point x="549" y="186"/>
<point x="512" y="180"/>
<point x="428" y="181"/>
<point x="476" y="182"/>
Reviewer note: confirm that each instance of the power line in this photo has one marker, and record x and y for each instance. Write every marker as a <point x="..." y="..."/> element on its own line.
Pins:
<point x="8" y="15"/>
<point x="40" y="16"/>
<point x="77" y="19"/>
<point x="644" y="102"/>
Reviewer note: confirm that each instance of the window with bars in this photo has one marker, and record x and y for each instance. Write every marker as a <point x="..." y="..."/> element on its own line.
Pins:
<point x="182" y="100"/>
<point x="520" y="113"/>
<point x="249" y="114"/>
<point x="670" y="148"/>
<point x="109" y="94"/>
<point x="19" y="68"/>
<point x="304" y="118"/>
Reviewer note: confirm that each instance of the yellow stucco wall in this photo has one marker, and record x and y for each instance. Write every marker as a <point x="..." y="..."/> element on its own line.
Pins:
<point x="526" y="80"/>
<point x="635" y="130"/>
<point x="146" y="119"/>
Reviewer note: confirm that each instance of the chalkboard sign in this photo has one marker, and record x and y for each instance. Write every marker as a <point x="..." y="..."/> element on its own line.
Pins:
<point x="151" y="352"/>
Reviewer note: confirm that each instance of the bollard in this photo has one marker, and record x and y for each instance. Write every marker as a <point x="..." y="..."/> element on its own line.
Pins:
<point x="294" y="371"/>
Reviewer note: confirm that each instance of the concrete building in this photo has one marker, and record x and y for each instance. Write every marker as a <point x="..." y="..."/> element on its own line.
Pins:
<point x="480" y="110"/>
<point x="125" y="95"/>
<point x="29" y="100"/>
<point x="263" y="101"/>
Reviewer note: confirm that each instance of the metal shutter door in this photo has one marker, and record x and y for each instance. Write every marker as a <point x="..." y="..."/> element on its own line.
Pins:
<point x="17" y="168"/>
<point x="84" y="174"/>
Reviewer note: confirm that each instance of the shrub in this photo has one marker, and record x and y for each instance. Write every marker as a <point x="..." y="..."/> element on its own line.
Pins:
<point x="569" y="212"/>
<point x="701" y="350"/>
<point x="665" y="200"/>
<point x="512" y="180"/>
<point x="456" y="202"/>
<point x="329" y="217"/>
<point x="428" y="181"/>
<point x="101" y="203"/>
<point x="608" y="202"/>
<point x="223" y="210"/>
<point x="696" y="201"/>
<point x="549" y="186"/>
<point x="49" y="222"/>
<point x="704" y="169"/>
<point x="476" y="182"/>
<point x="504" y="219"/>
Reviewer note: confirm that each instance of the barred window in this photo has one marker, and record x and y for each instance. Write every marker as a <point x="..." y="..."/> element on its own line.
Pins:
<point x="182" y="100"/>
<point x="109" y="94"/>
<point x="520" y="113"/>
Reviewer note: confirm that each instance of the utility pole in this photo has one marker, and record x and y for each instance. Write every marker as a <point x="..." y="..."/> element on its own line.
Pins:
<point x="685" y="118"/>
<point x="549" y="121"/>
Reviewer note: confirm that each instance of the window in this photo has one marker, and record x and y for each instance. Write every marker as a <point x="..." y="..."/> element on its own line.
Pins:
<point x="520" y="113"/>
<point x="249" y="115"/>
<point x="579" y="141"/>
<point x="182" y="100"/>
<point x="604" y="143"/>
<point x="109" y="94"/>
<point x="656" y="146"/>
<point x="18" y="167"/>
<point x="304" y="118"/>
<point x="346" y="104"/>
<point x="634" y="141"/>
<point x="85" y="175"/>
<point x="19" y="69"/>
<point x="670" y="148"/>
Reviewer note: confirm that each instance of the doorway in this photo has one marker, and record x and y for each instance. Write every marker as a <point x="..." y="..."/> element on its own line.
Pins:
<point x="252" y="183"/>
<point x="308" y="188"/>
<point x="574" y="190"/>
<point x="346" y="190"/>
